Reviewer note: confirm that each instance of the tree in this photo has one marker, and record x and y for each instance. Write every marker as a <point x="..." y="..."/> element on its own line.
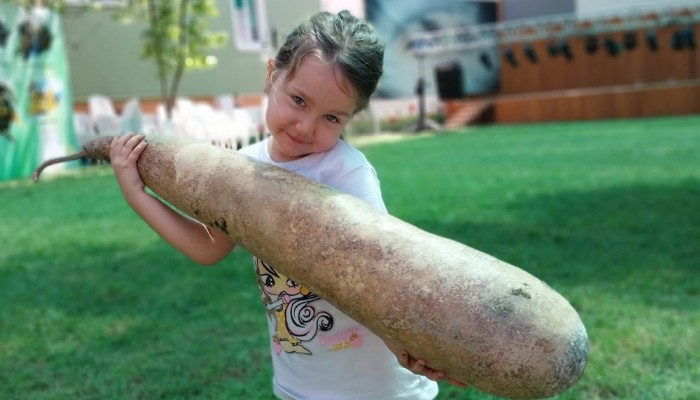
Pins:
<point x="176" y="38"/>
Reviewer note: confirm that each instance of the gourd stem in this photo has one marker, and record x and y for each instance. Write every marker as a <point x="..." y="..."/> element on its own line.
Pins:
<point x="37" y="171"/>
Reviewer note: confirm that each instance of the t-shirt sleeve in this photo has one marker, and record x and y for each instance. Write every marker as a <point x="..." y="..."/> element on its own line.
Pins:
<point x="362" y="182"/>
<point x="251" y="150"/>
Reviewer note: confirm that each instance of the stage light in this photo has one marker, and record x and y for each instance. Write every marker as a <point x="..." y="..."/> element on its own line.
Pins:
<point x="689" y="36"/>
<point x="566" y="49"/>
<point x="612" y="46"/>
<point x="591" y="44"/>
<point x="652" y="41"/>
<point x="678" y="40"/>
<point x="530" y="53"/>
<point x="683" y="38"/>
<point x="630" y="40"/>
<point x="485" y="60"/>
<point x="510" y="57"/>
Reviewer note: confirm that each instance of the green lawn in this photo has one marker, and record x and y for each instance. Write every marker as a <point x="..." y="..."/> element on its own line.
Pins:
<point x="96" y="306"/>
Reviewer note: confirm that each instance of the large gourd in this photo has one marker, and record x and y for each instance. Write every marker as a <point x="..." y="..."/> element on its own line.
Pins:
<point x="484" y="322"/>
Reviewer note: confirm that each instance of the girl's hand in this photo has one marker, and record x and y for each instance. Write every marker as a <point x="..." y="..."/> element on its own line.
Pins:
<point x="420" y="366"/>
<point x="124" y="152"/>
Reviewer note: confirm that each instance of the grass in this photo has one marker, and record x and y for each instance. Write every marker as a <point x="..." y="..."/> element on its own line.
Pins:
<point x="96" y="306"/>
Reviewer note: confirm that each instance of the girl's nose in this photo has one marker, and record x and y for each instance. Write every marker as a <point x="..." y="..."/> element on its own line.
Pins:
<point x="306" y="125"/>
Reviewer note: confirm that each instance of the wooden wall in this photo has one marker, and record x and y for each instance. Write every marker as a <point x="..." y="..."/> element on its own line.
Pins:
<point x="637" y="82"/>
<point x="635" y="66"/>
<point x="602" y="103"/>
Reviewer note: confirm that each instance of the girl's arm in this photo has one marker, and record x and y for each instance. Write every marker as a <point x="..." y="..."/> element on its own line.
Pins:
<point x="195" y="240"/>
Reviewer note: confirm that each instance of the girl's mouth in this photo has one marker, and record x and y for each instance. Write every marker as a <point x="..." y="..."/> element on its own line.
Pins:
<point x="295" y="139"/>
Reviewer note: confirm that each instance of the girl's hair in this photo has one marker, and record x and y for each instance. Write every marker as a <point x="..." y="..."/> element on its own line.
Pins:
<point x="341" y="40"/>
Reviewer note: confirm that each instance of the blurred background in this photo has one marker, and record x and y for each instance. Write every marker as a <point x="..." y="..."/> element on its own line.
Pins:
<point x="561" y="136"/>
<point x="70" y="69"/>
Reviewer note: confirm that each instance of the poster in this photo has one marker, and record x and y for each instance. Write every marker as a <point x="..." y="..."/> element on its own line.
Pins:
<point x="395" y="23"/>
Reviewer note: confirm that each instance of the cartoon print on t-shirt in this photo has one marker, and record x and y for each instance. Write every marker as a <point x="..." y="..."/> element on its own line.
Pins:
<point x="290" y="306"/>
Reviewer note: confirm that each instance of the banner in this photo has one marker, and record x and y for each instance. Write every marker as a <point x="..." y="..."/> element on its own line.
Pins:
<point x="36" y="105"/>
<point x="421" y="35"/>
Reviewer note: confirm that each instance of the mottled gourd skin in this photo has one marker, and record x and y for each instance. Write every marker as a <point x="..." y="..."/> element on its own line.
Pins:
<point x="484" y="322"/>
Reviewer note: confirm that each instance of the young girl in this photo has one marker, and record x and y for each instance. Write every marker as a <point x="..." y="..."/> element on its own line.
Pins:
<point x="322" y="76"/>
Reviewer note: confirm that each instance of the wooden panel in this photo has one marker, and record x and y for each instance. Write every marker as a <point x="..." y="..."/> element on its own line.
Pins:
<point x="615" y="102"/>
<point x="696" y="52"/>
<point x="635" y="65"/>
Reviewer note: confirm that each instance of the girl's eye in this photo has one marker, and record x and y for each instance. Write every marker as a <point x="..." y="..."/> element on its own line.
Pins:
<point x="332" y="118"/>
<point x="291" y="283"/>
<point x="298" y="100"/>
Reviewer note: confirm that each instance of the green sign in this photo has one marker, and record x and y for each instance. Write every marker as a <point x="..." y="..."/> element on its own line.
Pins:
<point x="36" y="105"/>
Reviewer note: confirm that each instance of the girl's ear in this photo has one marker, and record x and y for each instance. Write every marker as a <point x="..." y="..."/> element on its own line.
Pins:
<point x="271" y="68"/>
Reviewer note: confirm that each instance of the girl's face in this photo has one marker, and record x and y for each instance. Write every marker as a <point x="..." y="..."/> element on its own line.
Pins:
<point x="307" y="113"/>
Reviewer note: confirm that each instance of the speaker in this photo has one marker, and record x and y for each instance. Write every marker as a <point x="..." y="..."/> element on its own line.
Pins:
<point x="509" y="55"/>
<point x="630" y="40"/>
<point x="566" y="50"/>
<point x="485" y="60"/>
<point x="652" y="41"/>
<point x="614" y="48"/>
<point x="591" y="44"/>
<point x="448" y="76"/>
<point x="530" y="53"/>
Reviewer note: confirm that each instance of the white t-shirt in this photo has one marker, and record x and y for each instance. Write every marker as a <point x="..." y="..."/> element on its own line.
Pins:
<point x="318" y="352"/>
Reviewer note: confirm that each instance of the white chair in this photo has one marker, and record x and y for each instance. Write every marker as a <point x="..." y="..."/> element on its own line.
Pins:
<point x="222" y="131"/>
<point x="100" y="105"/>
<point x="107" y="125"/>
<point x="169" y="126"/>
<point x="149" y="124"/>
<point x="102" y="115"/>
<point x="244" y="127"/>
<point x="225" y="103"/>
<point x="84" y="131"/>
<point x="256" y="116"/>
<point x="131" y="118"/>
